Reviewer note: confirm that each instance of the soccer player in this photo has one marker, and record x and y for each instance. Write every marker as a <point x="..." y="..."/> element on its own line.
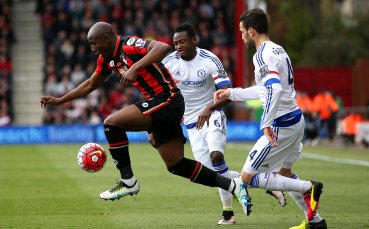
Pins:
<point x="198" y="72"/>
<point x="282" y="121"/>
<point x="138" y="62"/>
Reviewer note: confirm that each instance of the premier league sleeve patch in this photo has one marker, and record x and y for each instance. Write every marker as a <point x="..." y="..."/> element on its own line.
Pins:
<point x="264" y="71"/>
<point x="140" y="43"/>
<point x="222" y="74"/>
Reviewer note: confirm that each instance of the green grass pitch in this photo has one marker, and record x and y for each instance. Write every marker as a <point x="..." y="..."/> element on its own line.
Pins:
<point x="41" y="186"/>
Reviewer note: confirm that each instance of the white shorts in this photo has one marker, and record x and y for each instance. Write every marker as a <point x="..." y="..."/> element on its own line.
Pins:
<point x="208" y="138"/>
<point x="264" y="157"/>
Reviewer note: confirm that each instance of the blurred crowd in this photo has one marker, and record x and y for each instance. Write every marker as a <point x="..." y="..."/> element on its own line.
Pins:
<point x="326" y="118"/>
<point x="6" y="40"/>
<point x="69" y="61"/>
<point x="320" y="112"/>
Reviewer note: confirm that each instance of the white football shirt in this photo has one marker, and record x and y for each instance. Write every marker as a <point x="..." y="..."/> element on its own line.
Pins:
<point x="273" y="69"/>
<point x="197" y="79"/>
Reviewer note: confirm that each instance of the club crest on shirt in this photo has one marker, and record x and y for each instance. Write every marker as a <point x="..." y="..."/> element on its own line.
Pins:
<point x="201" y="73"/>
<point x="264" y="71"/>
<point x="222" y="73"/>
<point x="112" y="64"/>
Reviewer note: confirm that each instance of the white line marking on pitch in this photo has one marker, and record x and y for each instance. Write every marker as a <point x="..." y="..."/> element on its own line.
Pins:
<point x="334" y="159"/>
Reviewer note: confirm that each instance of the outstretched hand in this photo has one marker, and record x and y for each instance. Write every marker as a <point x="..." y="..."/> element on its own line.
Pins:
<point x="271" y="135"/>
<point x="49" y="100"/>
<point x="221" y="95"/>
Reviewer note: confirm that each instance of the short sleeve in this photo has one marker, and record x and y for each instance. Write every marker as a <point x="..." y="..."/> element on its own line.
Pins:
<point x="218" y="73"/>
<point x="102" y="67"/>
<point x="269" y="68"/>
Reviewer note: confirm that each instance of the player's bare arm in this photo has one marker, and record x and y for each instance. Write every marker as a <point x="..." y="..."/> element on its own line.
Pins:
<point x="156" y="51"/>
<point x="206" y="113"/>
<point x="83" y="89"/>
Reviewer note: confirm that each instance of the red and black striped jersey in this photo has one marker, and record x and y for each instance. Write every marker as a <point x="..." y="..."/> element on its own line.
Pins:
<point x="150" y="81"/>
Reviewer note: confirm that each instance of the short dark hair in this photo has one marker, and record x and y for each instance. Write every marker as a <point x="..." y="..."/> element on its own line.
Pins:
<point x="256" y="19"/>
<point x="187" y="27"/>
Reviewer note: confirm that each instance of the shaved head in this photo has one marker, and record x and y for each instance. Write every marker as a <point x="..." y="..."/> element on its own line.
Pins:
<point x="99" y="29"/>
<point x="102" y="39"/>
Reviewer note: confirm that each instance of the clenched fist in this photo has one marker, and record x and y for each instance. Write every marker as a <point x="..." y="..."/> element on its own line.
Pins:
<point x="49" y="100"/>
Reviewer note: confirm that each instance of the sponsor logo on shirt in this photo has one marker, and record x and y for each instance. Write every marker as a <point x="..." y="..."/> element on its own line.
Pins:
<point x="194" y="83"/>
<point x="121" y="70"/>
<point x="177" y="73"/>
<point x="264" y="71"/>
<point x="265" y="166"/>
<point x="131" y="41"/>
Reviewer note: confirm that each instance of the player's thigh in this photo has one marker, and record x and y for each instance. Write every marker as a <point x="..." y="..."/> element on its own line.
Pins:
<point x="265" y="157"/>
<point x="172" y="151"/>
<point x="129" y="118"/>
<point x="215" y="133"/>
<point x="295" y="148"/>
<point x="199" y="146"/>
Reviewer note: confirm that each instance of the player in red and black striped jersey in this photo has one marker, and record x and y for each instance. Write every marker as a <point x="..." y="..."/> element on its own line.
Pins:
<point x="138" y="62"/>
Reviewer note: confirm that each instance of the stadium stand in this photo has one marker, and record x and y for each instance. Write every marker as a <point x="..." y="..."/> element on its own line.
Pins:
<point x="68" y="59"/>
<point x="7" y="39"/>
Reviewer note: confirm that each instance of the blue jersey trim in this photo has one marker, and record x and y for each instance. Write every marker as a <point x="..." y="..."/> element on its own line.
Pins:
<point x="288" y="119"/>
<point x="271" y="81"/>
<point x="191" y="125"/>
<point x="224" y="83"/>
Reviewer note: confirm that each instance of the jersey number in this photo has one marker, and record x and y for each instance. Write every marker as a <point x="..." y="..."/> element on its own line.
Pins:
<point x="252" y="155"/>
<point x="290" y="72"/>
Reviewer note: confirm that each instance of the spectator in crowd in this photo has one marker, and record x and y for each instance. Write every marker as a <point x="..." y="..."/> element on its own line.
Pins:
<point x="4" y="116"/>
<point x="312" y="119"/>
<point x="327" y="107"/>
<point x="350" y="127"/>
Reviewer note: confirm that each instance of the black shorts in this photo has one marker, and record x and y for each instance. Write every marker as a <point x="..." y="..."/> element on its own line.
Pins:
<point x="167" y="115"/>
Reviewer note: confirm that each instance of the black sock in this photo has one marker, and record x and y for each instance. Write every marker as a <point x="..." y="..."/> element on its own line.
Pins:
<point x="200" y="174"/>
<point x="118" y="147"/>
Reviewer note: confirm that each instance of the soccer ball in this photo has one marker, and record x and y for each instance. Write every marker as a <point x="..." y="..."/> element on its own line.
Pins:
<point x="91" y="157"/>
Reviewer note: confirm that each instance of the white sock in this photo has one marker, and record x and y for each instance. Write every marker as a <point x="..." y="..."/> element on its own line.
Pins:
<point x="234" y="174"/>
<point x="225" y="196"/>
<point x="274" y="181"/>
<point x="298" y="197"/>
<point x="129" y="182"/>
<point x="299" y="200"/>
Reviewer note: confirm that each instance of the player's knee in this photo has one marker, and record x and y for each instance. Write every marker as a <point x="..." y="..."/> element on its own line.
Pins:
<point x="285" y="172"/>
<point x="216" y="157"/>
<point x="115" y="120"/>
<point x="246" y="178"/>
<point x="109" y="120"/>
